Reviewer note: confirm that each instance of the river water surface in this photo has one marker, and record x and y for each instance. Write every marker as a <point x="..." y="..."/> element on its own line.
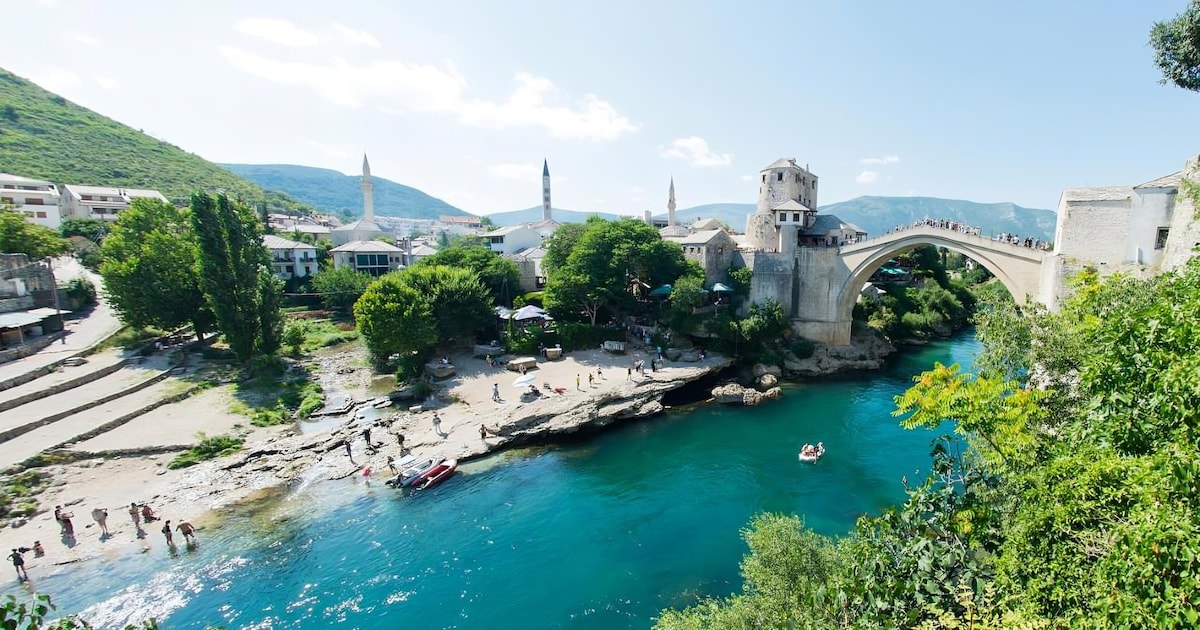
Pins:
<point x="600" y="534"/>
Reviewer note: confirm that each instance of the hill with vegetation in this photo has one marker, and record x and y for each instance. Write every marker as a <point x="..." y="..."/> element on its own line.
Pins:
<point x="334" y="193"/>
<point x="531" y="215"/>
<point x="45" y="136"/>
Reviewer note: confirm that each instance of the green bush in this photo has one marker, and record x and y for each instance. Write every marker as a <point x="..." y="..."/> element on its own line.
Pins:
<point x="803" y="348"/>
<point x="208" y="448"/>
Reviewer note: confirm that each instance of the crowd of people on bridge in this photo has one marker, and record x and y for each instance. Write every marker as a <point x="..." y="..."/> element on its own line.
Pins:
<point x="972" y="230"/>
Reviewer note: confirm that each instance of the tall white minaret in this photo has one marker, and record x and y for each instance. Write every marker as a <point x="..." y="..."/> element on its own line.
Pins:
<point x="368" y="196"/>
<point x="671" y="204"/>
<point x="545" y="190"/>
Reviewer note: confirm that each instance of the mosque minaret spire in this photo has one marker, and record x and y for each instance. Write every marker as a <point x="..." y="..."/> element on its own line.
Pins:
<point x="367" y="190"/>
<point x="545" y="190"/>
<point x="671" y="204"/>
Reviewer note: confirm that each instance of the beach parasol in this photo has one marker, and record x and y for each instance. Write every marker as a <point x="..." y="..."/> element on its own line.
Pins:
<point x="524" y="381"/>
<point x="663" y="290"/>
<point x="528" y="311"/>
<point x="720" y="288"/>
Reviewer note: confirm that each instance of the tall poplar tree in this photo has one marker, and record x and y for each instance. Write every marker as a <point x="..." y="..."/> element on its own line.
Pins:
<point x="231" y="255"/>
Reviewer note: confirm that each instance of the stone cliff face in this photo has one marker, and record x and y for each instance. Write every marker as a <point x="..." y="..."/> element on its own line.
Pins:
<point x="556" y="414"/>
<point x="867" y="351"/>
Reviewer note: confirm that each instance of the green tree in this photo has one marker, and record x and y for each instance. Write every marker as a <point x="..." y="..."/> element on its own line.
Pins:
<point x="608" y="259"/>
<point x="231" y="254"/>
<point x="19" y="236"/>
<point x="149" y="268"/>
<point x="394" y="319"/>
<point x="1176" y="44"/>
<point x="92" y="229"/>
<point x="500" y="275"/>
<point x="340" y="287"/>
<point x="460" y="304"/>
<point x="270" y="317"/>
<point x="559" y="245"/>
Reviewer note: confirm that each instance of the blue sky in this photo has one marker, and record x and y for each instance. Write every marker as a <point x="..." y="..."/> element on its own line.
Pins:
<point x="986" y="101"/>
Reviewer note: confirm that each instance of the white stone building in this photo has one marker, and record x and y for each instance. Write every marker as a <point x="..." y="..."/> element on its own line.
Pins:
<point x="100" y="202"/>
<point x="510" y="240"/>
<point x="370" y="257"/>
<point x="37" y="200"/>
<point x="291" y="259"/>
<point x="529" y="263"/>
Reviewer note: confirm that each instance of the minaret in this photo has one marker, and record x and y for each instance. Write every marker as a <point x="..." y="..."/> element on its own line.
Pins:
<point x="368" y="197"/>
<point x="545" y="190"/>
<point x="671" y="204"/>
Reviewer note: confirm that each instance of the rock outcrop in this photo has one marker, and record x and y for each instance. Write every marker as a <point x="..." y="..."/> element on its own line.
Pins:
<point x="867" y="351"/>
<point x="734" y="394"/>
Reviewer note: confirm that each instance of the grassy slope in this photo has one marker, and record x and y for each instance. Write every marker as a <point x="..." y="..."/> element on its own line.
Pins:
<point x="44" y="136"/>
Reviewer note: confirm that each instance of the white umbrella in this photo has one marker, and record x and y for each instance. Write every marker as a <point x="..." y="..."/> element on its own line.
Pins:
<point x="522" y="381"/>
<point x="528" y="311"/>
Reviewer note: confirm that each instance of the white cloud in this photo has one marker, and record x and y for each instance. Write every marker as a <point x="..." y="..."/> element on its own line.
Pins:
<point x="399" y="87"/>
<point x="277" y="31"/>
<point x="887" y="159"/>
<point x="354" y="37"/>
<point x="106" y="82"/>
<point x="694" y="150"/>
<point x="83" y="38"/>
<point x="748" y="178"/>
<point x="867" y="177"/>
<point x="57" y="80"/>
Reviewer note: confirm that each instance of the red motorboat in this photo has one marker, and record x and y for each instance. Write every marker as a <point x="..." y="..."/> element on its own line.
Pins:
<point x="436" y="475"/>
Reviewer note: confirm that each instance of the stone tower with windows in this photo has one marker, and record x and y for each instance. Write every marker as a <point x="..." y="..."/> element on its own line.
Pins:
<point x="787" y="201"/>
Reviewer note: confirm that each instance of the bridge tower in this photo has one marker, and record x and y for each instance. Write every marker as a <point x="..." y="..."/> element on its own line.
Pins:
<point x="774" y="226"/>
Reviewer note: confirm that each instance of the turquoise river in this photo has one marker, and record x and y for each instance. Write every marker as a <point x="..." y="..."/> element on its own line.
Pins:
<point x="602" y="533"/>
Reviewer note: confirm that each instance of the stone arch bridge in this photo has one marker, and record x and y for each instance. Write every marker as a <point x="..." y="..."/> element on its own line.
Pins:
<point x="828" y="320"/>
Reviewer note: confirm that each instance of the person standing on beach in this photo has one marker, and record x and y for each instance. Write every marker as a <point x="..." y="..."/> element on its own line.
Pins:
<point x="367" y="435"/>
<point x="392" y="464"/>
<point x="577" y="383"/>
<point x="349" y="453"/>
<point x="100" y="515"/>
<point x="400" y="442"/>
<point x="482" y="432"/>
<point x="189" y="532"/>
<point x="166" y="530"/>
<point x="18" y="561"/>
<point x="437" y="423"/>
<point x="64" y="521"/>
<point x="135" y="515"/>
<point x="496" y="392"/>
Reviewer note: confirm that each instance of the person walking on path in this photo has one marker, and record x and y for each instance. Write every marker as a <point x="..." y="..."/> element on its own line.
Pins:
<point x="100" y="515"/>
<point x="189" y="532"/>
<point x="496" y="392"/>
<point x="18" y="561"/>
<point x="166" y="530"/>
<point x="64" y="521"/>
<point x="349" y="453"/>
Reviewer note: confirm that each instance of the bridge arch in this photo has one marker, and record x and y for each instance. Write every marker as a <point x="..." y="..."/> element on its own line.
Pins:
<point x="1017" y="268"/>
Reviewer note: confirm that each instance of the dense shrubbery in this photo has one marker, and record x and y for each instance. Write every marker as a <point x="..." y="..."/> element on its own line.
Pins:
<point x="933" y="303"/>
<point x="208" y="448"/>
<point x="1070" y="504"/>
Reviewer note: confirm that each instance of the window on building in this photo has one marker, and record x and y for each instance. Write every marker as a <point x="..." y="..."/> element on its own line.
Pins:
<point x="796" y="217"/>
<point x="778" y="177"/>
<point x="814" y="187"/>
<point x="41" y="214"/>
<point x="1160" y="241"/>
<point x="797" y="179"/>
<point x="764" y="178"/>
<point x="35" y="201"/>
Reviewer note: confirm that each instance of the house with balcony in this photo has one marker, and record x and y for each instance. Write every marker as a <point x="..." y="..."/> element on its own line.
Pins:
<point x="35" y="199"/>
<point x="100" y="202"/>
<point x="370" y="257"/>
<point x="291" y="259"/>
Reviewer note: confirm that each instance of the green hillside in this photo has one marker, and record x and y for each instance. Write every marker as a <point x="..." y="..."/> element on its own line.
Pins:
<point x="332" y="192"/>
<point x="45" y="136"/>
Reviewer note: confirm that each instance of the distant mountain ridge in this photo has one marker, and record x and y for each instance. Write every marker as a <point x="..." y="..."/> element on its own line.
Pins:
<point x="335" y="193"/>
<point x="876" y="215"/>
<point x="45" y="136"/>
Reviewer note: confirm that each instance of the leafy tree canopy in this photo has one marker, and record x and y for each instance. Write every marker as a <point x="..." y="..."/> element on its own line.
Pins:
<point x="394" y="320"/>
<point x="340" y="288"/>
<point x="1176" y="44"/>
<point x="149" y="268"/>
<point x="92" y="229"/>
<point x="500" y="275"/>
<point x="460" y="304"/>
<point x="18" y="236"/>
